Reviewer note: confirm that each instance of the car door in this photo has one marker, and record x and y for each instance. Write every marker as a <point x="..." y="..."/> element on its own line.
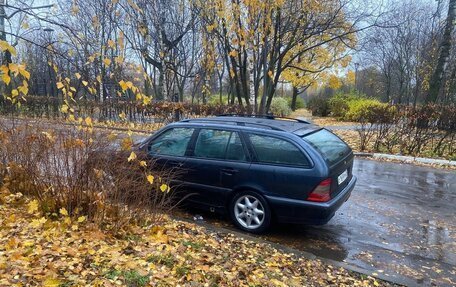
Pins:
<point x="234" y="171"/>
<point x="217" y="161"/>
<point x="280" y="166"/>
<point x="168" y="151"/>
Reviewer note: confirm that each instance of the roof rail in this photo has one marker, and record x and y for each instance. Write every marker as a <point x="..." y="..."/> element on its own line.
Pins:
<point x="238" y="123"/>
<point x="270" y="117"/>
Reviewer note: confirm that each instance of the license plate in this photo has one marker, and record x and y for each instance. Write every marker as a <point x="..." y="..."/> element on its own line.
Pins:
<point x="342" y="177"/>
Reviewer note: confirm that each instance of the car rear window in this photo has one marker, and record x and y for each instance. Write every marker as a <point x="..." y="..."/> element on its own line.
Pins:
<point x="330" y="146"/>
<point x="277" y="151"/>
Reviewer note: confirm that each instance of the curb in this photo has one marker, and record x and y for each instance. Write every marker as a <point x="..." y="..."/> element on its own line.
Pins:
<point x="403" y="281"/>
<point x="363" y="154"/>
<point x="407" y="159"/>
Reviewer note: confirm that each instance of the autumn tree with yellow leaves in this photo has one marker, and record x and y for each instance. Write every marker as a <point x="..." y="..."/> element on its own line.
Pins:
<point x="264" y="42"/>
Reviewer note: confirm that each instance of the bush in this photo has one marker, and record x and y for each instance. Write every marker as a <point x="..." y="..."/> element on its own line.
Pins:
<point x="375" y="118"/>
<point x="299" y="102"/>
<point x="319" y="106"/>
<point x="362" y="110"/>
<point x="78" y="171"/>
<point x="339" y="104"/>
<point x="427" y="130"/>
<point x="280" y="107"/>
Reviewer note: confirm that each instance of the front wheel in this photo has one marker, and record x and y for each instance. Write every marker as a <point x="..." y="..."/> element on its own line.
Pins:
<point x="250" y="212"/>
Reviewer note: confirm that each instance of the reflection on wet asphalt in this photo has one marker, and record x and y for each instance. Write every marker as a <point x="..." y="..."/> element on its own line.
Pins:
<point x="399" y="221"/>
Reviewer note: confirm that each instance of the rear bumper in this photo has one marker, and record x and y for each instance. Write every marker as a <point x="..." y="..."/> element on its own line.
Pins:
<point x="307" y="212"/>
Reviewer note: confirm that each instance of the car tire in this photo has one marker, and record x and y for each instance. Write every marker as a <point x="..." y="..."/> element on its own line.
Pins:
<point x="250" y="212"/>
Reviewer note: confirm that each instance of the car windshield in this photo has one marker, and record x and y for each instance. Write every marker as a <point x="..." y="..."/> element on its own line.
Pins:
<point x="331" y="147"/>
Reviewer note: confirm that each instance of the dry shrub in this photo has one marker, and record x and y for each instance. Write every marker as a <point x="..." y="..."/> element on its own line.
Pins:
<point x="83" y="172"/>
<point x="428" y="130"/>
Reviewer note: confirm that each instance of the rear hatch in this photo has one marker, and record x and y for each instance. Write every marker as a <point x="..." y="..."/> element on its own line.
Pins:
<point x="337" y="154"/>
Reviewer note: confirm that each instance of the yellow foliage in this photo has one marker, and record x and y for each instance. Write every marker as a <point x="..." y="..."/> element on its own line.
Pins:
<point x="5" y="46"/>
<point x="24" y="72"/>
<point x="123" y="85"/>
<point x="32" y="206"/>
<point x="23" y="89"/>
<point x="132" y="156"/>
<point x="49" y="136"/>
<point x="111" y="43"/>
<point x="334" y="82"/>
<point x="14" y="68"/>
<point x="37" y="223"/>
<point x="88" y="121"/>
<point x="233" y="53"/>
<point x="351" y="77"/>
<point x="63" y="211"/>
<point x="64" y="109"/>
<point x="150" y="178"/>
<point x="126" y="143"/>
<point x="25" y="25"/>
<point x="52" y="282"/>
<point x="164" y="188"/>
<point x="6" y="78"/>
<point x="146" y="100"/>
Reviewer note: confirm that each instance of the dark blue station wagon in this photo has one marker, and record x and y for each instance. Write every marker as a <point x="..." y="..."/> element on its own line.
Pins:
<point x="258" y="169"/>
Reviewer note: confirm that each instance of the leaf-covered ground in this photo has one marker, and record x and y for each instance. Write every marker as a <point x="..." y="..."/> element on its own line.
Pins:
<point x="39" y="251"/>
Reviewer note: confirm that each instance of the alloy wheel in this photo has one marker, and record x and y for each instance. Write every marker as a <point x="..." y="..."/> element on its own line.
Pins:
<point x="249" y="212"/>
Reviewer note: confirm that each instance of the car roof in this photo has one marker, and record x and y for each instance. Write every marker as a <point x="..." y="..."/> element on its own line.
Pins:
<point x="296" y="126"/>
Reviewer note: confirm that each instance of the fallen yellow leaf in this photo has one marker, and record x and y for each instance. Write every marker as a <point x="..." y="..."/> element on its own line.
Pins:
<point x="51" y="282"/>
<point x="132" y="156"/>
<point x="32" y="206"/>
<point x="63" y="211"/>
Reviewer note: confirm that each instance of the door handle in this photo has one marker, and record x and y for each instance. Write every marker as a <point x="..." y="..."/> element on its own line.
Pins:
<point x="229" y="171"/>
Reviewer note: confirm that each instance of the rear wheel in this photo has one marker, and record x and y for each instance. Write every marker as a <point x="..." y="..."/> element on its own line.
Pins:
<point x="250" y="212"/>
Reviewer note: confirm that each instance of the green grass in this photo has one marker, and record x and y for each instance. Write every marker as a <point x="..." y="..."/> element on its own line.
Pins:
<point x="182" y="270"/>
<point x="165" y="259"/>
<point x="132" y="278"/>
<point x="194" y="245"/>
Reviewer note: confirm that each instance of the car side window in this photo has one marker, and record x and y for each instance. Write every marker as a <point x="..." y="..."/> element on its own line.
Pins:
<point x="172" y="142"/>
<point x="212" y="143"/>
<point x="235" y="149"/>
<point x="274" y="150"/>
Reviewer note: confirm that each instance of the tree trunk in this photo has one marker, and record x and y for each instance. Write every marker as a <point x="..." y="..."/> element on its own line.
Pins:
<point x="445" y="47"/>
<point x="293" y="100"/>
<point x="160" y="88"/>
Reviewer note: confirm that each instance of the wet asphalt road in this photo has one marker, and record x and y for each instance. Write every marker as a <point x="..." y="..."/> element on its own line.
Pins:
<point x="399" y="222"/>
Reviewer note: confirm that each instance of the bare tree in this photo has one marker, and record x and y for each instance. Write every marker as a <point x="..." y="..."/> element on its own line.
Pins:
<point x="444" y="54"/>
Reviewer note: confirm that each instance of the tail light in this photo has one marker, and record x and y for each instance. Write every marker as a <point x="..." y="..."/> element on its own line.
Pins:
<point x="322" y="192"/>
